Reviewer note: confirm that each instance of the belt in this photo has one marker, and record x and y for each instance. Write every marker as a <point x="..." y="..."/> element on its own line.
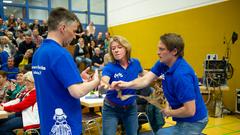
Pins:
<point x="116" y="105"/>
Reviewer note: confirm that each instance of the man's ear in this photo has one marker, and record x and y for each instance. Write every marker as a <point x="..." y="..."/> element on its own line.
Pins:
<point x="62" y="28"/>
<point x="175" y="51"/>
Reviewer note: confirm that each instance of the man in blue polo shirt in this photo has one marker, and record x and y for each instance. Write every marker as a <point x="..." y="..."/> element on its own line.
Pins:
<point x="57" y="79"/>
<point x="180" y="86"/>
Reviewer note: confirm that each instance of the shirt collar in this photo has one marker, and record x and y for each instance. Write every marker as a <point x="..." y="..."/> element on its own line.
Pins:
<point x="175" y="65"/>
<point x="129" y="61"/>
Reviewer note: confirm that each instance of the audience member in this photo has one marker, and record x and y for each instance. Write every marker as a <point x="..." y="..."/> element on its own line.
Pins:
<point x="20" y="38"/>
<point x="97" y="60"/>
<point x="23" y="60"/>
<point x="37" y="39"/>
<point x="81" y="52"/>
<point x="16" y="87"/>
<point x="25" y="45"/>
<point x="90" y="31"/>
<point x="44" y="29"/>
<point x="106" y="41"/>
<point x="10" y="69"/>
<point x="3" y="57"/>
<point x="7" y="46"/>
<point x="3" y="27"/>
<point x="26" y="109"/>
<point x="4" y="85"/>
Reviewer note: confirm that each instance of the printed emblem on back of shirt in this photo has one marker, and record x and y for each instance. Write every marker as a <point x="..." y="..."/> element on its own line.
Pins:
<point x="60" y="126"/>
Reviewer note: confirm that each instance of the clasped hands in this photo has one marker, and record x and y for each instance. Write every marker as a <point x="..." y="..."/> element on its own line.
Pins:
<point x="115" y="85"/>
<point x="86" y="76"/>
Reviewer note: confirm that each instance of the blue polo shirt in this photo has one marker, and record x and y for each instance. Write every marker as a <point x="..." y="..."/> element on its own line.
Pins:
<point x="11" y="72"/>
<point x="180" y="85"/>
<point x="116" y="73"/>
<point x="54" y="71"/>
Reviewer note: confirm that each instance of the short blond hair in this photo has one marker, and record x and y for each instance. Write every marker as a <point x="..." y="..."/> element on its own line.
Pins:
<point x="122" y="41"/>
<point x="29" y="76"/>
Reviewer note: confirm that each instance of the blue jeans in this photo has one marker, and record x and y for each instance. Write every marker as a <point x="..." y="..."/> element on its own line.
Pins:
<point x="10" y="123"/>
<point x="112" y="114"/>
<point x="185" y="128"/>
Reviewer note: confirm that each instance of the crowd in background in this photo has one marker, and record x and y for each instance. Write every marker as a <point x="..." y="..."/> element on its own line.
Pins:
<point x="18" y="42"/>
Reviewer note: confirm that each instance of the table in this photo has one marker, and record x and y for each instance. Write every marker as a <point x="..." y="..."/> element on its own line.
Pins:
<point x="215" y="99"/>
<point x="205" y="90"/>
<point x="4" y="114"/>
<point x="92" y="102"/>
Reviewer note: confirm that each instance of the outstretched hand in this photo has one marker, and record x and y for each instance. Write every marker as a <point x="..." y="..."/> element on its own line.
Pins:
<point x="118" y="85"/>
<point x="104" y="85"/>
<point x="86" y="76"/>
<point x="166" y="112"/>
<point x="95" y="76"/>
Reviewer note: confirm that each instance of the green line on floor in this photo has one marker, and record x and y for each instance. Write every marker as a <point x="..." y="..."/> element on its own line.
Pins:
<point x="238" y="131"/>
<point x="220" y="125"/>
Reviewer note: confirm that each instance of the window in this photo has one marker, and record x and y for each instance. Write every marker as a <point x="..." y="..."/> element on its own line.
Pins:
<point x="98" y="19"/>
<point x="14" y="1"/>
<point x="17" y="11"/>
<point x="86" y="10"/>
<point x="82" y="17"/>
<point x="97" y="6"/>
<point x="38" y="3"/>
<point x="59" y="3"/>
<point x="79" y="5"/>
<point x="38" y="14"/>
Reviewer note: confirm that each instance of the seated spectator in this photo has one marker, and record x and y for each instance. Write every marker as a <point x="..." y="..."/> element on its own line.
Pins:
<point x="107" y="58"/>
<point x="90" y="31"/>
<point x="91" y="48"/>
<point x="20" y="38"/>
<point x="4" y="84"/>
<point x="23" y="60"/>
<point x="16" y="87"/>
<point x="26" y="105"/>
<point x="11" y="24"/>
<point x="24" y="27"/>
<point x="11" y="20"/>
<point x="106" y="41"/>
<point x="10" y="69"/>
<point x="79" y="34"/>
<point x="100" y="41"/>
<point x="81" y="52"/>
<point x="3" y="57"/>
<point x="97" y="60"/>
<point x="37" y="39"/>
<point x="7" y="46"/>
<point x="35" y="25"/>
<point x="25" y="45"/>
<point x="3" y="27"/>
<point x="44" y="29"/>
<point x="19" y="21"/>
<point x="11" y="38"/>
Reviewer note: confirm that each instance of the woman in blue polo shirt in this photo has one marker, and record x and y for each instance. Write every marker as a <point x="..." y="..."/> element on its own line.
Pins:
<point x="124" y="68"/>
<point x="180" y="87"/>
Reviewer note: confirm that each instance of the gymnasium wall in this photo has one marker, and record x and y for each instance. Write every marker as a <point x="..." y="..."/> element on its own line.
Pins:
<point x="204" y="30"/>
